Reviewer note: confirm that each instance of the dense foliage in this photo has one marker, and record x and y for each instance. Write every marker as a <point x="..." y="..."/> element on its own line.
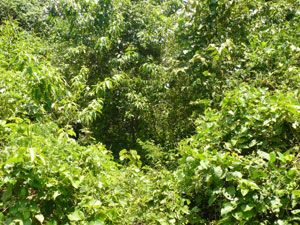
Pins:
<point x="149" y="112"/>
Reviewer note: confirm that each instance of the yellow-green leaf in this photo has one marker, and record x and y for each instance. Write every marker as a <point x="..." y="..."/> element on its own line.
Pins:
<point x="32" y="154"/>
<point x="40" y="218"/>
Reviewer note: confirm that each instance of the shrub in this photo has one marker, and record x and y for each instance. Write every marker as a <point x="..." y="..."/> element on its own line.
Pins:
<point x="242" y="166"/>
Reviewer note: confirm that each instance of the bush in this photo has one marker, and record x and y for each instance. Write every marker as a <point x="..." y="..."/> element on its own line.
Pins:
<point x="47" y="178"/>
<point x="242" y="166"/>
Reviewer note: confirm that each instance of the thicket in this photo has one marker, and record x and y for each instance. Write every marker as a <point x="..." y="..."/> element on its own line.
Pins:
<point x="149" y="112"/>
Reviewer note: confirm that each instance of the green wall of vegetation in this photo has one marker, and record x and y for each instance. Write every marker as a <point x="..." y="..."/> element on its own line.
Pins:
<point x="145" y="112"/>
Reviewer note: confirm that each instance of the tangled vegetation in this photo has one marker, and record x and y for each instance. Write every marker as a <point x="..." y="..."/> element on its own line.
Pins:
<point x="149" y="112"/>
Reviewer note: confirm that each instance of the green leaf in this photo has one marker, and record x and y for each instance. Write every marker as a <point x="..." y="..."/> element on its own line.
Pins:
<point x="272" y="157"/>
<point x="275" y="203"/>
<point x="231" y="190"/>
<point x="250" y="184"/>
<point x="281" y="157"/>
<point x="112" y="214"/>
<point x="19" y="222"/>
<point x="16" y="119"/>
<point x="14" y="160"/>
<point x="40" y="218"/>
<point x="42" y="159"/>
<point x="185" y="210"/>
<point x="32" y="154"/>
<point x="100" y="216"/>
<point x="77" y="215"/>
<point x="296" y="193"/>
<point x="252" y="143"/>
<point x="51" y="222"/>
<point x="71" y="133"/>
<point x="56" y="194"/>
<point x="7" y="194"/>
<point x="123" y="154"/>
<point x="296" y="211"/>
<point x="244" y="191"/>
<point x="93" y="204"/>
<point x="211" y="200"/>
<point x="108" y="84"/>
<point x="247" y="207"/>
<point x="228" y="207"/>
<point x="237" y="174"/>
<point x="292" y="172"/>
<point x="96" y="222"/>
<point x="23" y="192"/>
<point x="218" y="171"/>
<point x="76" y="183"/>
<point x="263" y="155"/>
<point x="29" y="70"/>
<point x="238" y="215"/>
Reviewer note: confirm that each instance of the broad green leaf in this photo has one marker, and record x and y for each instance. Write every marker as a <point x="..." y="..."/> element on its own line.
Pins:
<point x="244" y="191"/>
<point x="218" y="171"/>
<point x="263" y="155"/>
<point x="32" y="152"/>
<point x="275" y="203"/>
<point x="14" y="160"/>
<point x="76" y="183"/>
<point x="71" y="133"/>
<point x="123" y="154"/>
<point x="19" y="222"/>
<point x="281" y="157"/>
<point x="238" y="215"/>
<point x="93" y="204"/>
<point x="247" y="207"/>
<point x="252" y="143"/>
<point x="23" y="192"/>
<point x="112" y="214"/>
<point x="56" y="194"/>
<point x="237" y="174"/>
<point x="172" y="221"/>
<point x="185" y="210"/>
<point x="108" y="84"/>
<point x="163" y="221"/>
<point x="211" y="200"/>
<point x="7" y="194"/>
<point x="100" y="216"/>
<point x="16" y="119"/>
<point x="29" y="70"/>
<point x="272" y="157"/>
<point x="51" y="222"/>
<point x="77" y="215"/>
<point x="296" y="193"/>
<point x="250" y="184"/>
<point x="96" y="222"/>
<point x="292" y="172"/>
<point x="296" y="211"/>
<point x="231" y="190"/>
<point x="42" y="159"/>
<point x="40" y="218"/>
<point x="228" y="207"/>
